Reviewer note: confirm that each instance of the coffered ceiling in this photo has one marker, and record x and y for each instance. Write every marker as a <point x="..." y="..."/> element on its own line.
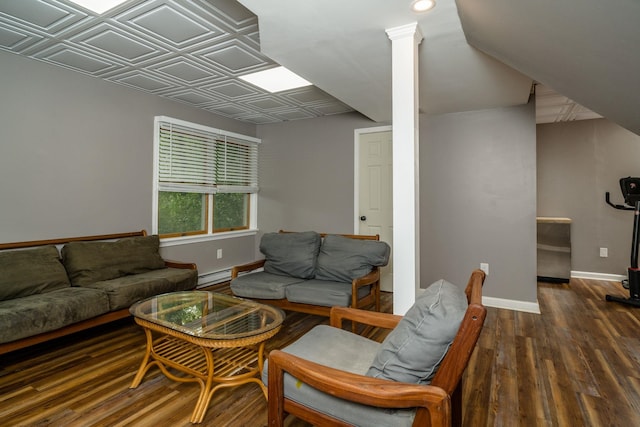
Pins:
<point x="188" y="51"/>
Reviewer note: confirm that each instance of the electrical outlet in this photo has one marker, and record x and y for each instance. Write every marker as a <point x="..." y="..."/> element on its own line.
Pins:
<point x="219" y="253"/>
<point x="604" y="252"/>
<point x="484" y="266"/>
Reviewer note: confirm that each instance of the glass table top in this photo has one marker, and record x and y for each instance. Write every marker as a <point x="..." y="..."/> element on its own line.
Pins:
<point x="208" y="315"/>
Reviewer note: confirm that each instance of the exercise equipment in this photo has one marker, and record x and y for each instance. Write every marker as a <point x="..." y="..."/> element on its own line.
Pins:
<point x="630" y="188"/>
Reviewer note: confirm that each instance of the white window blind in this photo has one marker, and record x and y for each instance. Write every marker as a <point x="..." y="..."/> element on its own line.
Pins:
<point x="198" y="159"/>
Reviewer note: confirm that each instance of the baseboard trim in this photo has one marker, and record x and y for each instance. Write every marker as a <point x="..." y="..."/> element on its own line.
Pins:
<point x="213" y="278"/>
<point x="525" y="306"/>
<point x="598" y="276"/>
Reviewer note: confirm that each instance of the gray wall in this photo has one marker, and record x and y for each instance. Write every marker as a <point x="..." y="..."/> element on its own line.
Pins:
<point x="478" y="199"/>
<point x="477" y="178"/>
<point x="577" y="163"/>
<point x="306" y="174"/>
<point x="76" y="158"/>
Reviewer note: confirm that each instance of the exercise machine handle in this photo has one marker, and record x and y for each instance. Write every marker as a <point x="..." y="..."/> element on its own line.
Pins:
<point x="607" y="198"/>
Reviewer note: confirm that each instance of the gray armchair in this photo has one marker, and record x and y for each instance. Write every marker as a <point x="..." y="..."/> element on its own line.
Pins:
<point x="331" y="376"/>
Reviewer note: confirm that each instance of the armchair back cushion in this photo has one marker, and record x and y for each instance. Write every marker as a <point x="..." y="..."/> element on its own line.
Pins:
<point x="90" y="262"/>
<point x="31" y="271"/>
<point x="413" y="351"/>
<point x="291" y="254"/>
<point x="342" y="259"/>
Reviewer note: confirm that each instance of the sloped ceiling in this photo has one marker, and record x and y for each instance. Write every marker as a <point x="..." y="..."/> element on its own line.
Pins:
<point x="587" y="50"/>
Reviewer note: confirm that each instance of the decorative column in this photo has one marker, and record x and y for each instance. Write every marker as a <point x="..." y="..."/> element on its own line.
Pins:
<point x="406" y="195"/>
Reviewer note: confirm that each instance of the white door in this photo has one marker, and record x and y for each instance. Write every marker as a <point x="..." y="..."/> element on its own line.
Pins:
<point x="375" y="213"/>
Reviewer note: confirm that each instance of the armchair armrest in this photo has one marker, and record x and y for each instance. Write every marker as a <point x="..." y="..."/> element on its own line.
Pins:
<point x="366" y="317"/>
<point x="246" y="267"/>
<point x="180" y="264"/>
<point x="352" y="387"/>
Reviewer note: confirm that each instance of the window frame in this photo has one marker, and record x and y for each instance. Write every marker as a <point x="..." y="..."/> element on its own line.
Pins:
<point x="211" y="234"/>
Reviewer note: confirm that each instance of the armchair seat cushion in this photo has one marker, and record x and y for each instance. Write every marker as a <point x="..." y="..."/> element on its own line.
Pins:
<point x="323" y="292"/>
<point x="346" y="351"/>
<point x="262" y="285"/>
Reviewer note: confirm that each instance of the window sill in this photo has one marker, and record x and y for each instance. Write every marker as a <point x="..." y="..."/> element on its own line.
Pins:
<point x="186" y="240"/>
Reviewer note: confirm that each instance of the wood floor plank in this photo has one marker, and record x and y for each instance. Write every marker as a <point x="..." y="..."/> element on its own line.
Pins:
<point x="575" y="364"/>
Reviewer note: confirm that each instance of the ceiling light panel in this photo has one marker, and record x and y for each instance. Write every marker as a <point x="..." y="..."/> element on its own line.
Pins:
<point x="276" y="79"/>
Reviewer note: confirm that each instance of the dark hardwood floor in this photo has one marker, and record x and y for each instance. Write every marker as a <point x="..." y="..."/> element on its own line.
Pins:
<point x="576" y="364"/>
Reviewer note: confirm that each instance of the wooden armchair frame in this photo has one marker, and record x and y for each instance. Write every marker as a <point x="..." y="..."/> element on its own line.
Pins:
<point x="438" y="404"/>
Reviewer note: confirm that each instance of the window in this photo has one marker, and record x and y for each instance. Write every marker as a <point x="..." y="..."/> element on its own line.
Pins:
<point x="206" y="180"/>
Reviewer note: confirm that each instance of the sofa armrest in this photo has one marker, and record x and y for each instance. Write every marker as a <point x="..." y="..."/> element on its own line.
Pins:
<point x="246" y="267"/>
<point x="366" y="280"/>
<point x="180" y="264"/>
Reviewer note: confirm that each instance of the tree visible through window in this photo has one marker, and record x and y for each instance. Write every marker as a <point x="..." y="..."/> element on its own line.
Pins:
<point x="182" y="213"/>
<point x="206" y="179"/>
<point x="230" y="211"/>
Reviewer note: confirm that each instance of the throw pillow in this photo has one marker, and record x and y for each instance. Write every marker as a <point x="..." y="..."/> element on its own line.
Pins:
<point x="342" y="259"/>
<point x="291" y="254"/>
<point x="31" y="271"/>
<point x="90" y="262"/>
<point x="412" y="352"/>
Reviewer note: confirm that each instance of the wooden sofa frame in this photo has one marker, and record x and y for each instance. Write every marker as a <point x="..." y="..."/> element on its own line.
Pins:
<point x="85" y="324"/>
<point x="438" y="404"/>
<point x="372" y="279"/>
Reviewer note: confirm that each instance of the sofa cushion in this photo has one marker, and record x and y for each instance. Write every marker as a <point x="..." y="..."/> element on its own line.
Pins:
<point x="181" y="279"/>
<point x="345" y="351"/>
<point x="89" y="262"/>
<point x="31" y="271"/>
<point x="126" y="290"/>
<point x="35" y="314"/>
<point x="413" y="351"/>
<point x="263" y="285"/>
<point x="343" y="259"/>
<point x="323" y="292"/>
<point x="291" y="254"/>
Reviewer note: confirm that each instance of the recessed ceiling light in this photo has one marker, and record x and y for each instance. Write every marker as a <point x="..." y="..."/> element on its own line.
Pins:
<point x="276" y="79"/>
<point x="420" y="6"/>
<point x="98" y="6"/>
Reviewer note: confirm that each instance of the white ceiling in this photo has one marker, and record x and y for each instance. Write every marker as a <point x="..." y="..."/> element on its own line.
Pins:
<point x="194" y="51"/>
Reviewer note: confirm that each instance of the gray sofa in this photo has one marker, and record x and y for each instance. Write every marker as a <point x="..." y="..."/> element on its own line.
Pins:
<point x="46" y="292"/>
<point x="311" y="272"/>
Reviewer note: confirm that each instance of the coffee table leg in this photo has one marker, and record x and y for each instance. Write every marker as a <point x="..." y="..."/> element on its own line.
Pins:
<point x="145" y="365"/>
<point x="205" y="389"/>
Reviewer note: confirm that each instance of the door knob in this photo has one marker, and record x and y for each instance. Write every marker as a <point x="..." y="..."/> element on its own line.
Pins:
<point x="363" y="218"/>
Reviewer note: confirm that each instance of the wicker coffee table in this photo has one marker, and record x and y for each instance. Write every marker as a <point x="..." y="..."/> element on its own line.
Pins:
<point x="213" y="339"/>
